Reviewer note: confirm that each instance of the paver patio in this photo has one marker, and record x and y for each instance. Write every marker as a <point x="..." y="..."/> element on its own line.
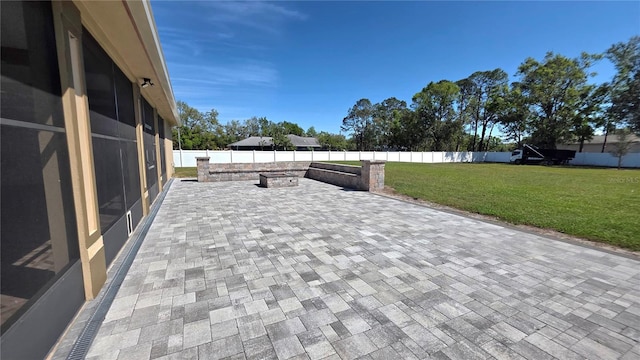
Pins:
<point x="233" y="270"/>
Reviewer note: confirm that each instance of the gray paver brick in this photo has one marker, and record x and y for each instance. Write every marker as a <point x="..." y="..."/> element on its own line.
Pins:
<point x="224" y="329"/>
<point x="288" y="347"/>
<point x="593" y="350"/>
<point x="196" y="333"/>
<point x="354" y="346"/>
<point x="222" y="348"/>
<point x="252" y="329"/>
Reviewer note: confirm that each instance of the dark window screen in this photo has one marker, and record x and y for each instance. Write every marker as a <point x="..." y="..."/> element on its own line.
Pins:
<point x="127" y="132"/>
<point x="147" y="117"/>
<point x="38" y="234"/>
<point x="30" y="76"/>
<point x="160" y="127"/>
<point x="130" y="171"/>
<point x="149" y="143"/>
<point x="126" y="111"/>
<point x="109" y="180"/>
<point x="100" y="87"/>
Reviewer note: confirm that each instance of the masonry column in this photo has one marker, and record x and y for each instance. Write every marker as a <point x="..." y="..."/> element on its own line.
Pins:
<point x="372" y="175"/>
<point x="203" y="168"/>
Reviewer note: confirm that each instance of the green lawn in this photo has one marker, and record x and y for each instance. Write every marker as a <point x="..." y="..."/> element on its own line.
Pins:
<point x="185" y="172"/>
<point x="596" y="204"/>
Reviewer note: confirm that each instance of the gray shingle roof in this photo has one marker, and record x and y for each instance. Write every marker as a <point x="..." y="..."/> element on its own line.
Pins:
<point x="300" y="141"/>
<point x="254" y="141"/>
<point x="611" y="139"/>
<point x="297" y="141"/>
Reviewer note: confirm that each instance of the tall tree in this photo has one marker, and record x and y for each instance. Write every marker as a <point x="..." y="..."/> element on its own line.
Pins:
<point x="291" y="128"/>
<point x="311" y="132"/>
<point x="332" y="141"/>
<point x="514" y="115"/>
<point x="591" y="114"/>
<point x="625" y="87"/>
<point x="406" y="132"/>
<point x="359" y="122"/>
<point x="197" y="130"/>
<point x="554" y="89"/>
<point x="384" y="115"/>
<point x="463" y="102"/>
<point x="623" y="146"/>
<point x="487" y="87"/>
<point x="435" y="113"/>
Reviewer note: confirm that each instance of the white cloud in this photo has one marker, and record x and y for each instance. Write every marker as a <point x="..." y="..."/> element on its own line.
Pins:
<point x="236" y="74"/>
<point x="258" y="15"/>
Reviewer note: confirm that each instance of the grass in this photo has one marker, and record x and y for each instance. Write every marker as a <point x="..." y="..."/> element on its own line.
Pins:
<point x="595" y="204"/>
<point x="591" y="203"/>
<point x="186" y="172"/>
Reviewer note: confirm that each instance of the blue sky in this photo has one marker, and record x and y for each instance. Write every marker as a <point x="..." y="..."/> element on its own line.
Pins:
<point x="309" y="62"/>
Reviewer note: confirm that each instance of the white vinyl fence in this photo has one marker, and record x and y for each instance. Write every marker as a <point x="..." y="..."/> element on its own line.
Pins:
<point x="187" y="158"/>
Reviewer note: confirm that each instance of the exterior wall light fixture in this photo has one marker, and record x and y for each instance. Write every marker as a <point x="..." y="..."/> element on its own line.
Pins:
<point x="146" y="82"/>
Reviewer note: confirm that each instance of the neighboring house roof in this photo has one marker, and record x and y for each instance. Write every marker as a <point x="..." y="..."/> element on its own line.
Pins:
<point x="611" y="139"/>
<point x="254" y="141"/>
<point x="257" y="141"/>
<point x="299" y="141"/>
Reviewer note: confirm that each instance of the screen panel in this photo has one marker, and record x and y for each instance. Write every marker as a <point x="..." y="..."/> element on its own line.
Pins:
<point x="30" y="74"/>
<point x="109" y="180"/>
<point x="100" y="87"/>
<point x="39" y="235"/>
<point x="149" y="143"/>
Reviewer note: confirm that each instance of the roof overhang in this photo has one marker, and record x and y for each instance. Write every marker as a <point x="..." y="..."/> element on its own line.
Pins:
<point x="127" y="32"/>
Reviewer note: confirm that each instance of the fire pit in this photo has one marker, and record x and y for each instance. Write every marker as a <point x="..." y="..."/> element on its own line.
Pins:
<point x="277" y="180"/>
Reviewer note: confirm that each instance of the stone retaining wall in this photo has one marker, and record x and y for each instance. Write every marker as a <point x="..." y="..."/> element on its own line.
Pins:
<point x="249" y="171"/>
<point x="335" y="176"/>
<point x="369" y="177"/>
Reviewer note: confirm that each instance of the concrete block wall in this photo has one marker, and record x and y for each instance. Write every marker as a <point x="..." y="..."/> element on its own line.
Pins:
<point x="342" y="175"/>
<point x="351" y="169"/>
<point x="368" y="177"/>
<point x="247" y="171"/>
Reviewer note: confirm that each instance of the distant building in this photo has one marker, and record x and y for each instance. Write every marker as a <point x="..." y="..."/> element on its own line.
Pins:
<point x="595" y="145"/>
<point x="266" y="143"/>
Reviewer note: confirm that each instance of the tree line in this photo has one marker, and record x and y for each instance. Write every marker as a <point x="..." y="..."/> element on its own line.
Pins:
<point x="551" y="102"/>
<point x="202" y="130"/>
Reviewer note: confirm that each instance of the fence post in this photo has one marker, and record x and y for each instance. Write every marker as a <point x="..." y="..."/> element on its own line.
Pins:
<point x="294" y="155"/>
<point x="274" y="156"/>
<point x="181" y="158"/>
<point x="254" y="156"/>
<point x="360" y="155"/>
<point x="231" y="156"/>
